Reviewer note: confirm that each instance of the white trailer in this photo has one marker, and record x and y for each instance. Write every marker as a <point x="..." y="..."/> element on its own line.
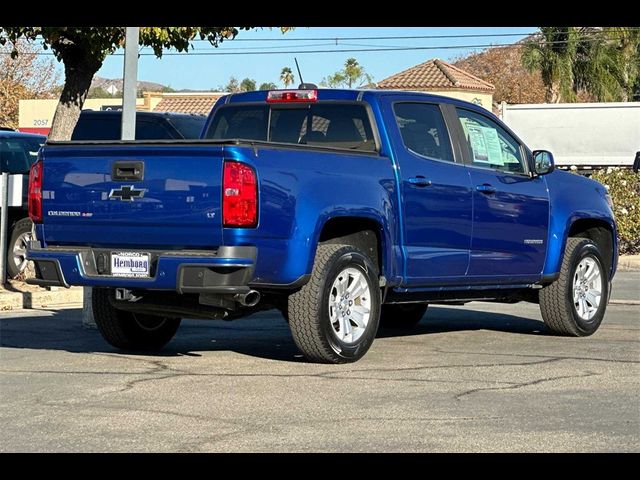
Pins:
<point x="584" y="135"/>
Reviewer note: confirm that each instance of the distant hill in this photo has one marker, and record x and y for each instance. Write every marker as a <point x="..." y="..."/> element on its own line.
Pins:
<point x="107" y="83"/>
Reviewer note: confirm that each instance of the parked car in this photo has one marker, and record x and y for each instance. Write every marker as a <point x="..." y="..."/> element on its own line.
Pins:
<point x="341" y="208"/>
<point x="18" y="151"/>
<point x="98" y="125"/>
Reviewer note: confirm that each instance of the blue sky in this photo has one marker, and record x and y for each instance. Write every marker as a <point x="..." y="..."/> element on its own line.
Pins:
<point x="208" y="72"/>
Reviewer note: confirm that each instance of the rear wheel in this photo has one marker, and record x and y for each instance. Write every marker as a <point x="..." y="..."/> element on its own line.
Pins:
<point x="17" y="262"/>
<point x="334" y="317"/>
<point x="575" y="303"/>
<point x="402" y="315"/>
<point x="128" y="330"/>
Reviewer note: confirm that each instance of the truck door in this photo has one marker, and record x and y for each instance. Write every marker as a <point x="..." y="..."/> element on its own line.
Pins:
<point x="436" y="194"/>
<point x="510" y="208"/>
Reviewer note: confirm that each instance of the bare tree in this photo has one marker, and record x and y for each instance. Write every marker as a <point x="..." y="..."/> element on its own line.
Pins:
<point x="26" y="77"/>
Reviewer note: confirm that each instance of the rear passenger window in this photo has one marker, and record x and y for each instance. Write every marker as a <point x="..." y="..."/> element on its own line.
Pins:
<point x="423" y="130"/>
<point x="490" y="145"/>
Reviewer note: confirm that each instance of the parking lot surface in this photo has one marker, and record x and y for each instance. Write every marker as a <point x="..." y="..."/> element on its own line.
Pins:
<point x="484" y="377"/>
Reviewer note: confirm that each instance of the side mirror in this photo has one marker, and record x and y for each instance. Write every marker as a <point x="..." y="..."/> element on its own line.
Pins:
<point x="543" y="162"/>
<point x="636" y="163"/>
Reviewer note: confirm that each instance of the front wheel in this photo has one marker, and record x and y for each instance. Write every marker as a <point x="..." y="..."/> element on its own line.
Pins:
<point x="334" y="317"/>
<point x="575" y="303"/>
<point x="128" y="330"/>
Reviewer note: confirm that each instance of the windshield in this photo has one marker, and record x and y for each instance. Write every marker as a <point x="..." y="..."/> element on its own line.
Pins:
<point x="334" y="125"/>
<point x="18" y="154"/>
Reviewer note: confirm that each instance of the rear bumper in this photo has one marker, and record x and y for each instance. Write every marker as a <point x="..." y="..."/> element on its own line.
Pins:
<point x="225" y="270"/>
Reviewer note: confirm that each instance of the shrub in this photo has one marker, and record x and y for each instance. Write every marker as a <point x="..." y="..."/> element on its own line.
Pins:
<point x="624" y="187"/>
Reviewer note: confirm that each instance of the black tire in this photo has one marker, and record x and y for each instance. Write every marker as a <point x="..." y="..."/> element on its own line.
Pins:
<point x="402" y="315"/>
<point x="308" y="308"/>
<point x="20" y="231"/>
<point x="556" y="300"/>
<point x="128" y="330"/>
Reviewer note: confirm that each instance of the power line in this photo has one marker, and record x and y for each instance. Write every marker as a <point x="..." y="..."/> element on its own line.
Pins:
<point x="394" y="37"/>
<point x="249" y="51"/>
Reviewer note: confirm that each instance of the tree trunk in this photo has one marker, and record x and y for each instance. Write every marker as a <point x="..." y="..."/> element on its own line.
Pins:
<point x="79" y="73"/>
<point x="552" y="94"/>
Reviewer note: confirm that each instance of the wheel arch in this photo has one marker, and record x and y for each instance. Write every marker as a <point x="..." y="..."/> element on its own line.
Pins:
<point x="602" y="234"/>
<point x="366" y="233"/>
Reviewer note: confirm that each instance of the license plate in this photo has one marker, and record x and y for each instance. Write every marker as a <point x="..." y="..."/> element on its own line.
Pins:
<point x="130" y="264"/>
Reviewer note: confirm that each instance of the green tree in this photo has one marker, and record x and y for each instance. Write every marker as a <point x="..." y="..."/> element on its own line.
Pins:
<point x="626" y="43"/>
<point x="268" y="86"/>
<point x="352" y="75"/>
<point x="82" y="50"/>
<point x="553" y="53"/>
<point x="286" y="76"/>
<point x="168" y="89"/>
<point x="597" y="69"/>
<point x="248" y="85"/>
<point x="334" y="81"/>
<point x="232" y="86"/>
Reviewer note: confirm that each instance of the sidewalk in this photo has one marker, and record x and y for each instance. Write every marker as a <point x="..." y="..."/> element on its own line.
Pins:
<point x="628" y="263"/>
<point x="17" y="295"/>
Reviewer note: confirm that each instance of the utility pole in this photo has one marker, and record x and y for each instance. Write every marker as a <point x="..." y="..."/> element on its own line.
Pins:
<point x="130" y="89"/>
<point x="4" y="225"/>
<point x="128" y="129"/>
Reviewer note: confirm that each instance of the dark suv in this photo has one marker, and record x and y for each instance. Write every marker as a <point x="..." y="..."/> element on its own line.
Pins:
<point x="96" y="125"/>
<point x="18" y="151"/>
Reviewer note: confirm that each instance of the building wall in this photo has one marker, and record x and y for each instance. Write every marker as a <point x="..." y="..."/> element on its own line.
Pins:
<point x="36" y="116"/>
<point x="479" y="98"/>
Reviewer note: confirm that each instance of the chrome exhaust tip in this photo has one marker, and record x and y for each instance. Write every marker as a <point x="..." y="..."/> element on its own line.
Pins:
<point x="249" y="299"/>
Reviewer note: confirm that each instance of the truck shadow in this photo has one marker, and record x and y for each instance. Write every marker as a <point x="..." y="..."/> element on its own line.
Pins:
<point x="264" y="335"/>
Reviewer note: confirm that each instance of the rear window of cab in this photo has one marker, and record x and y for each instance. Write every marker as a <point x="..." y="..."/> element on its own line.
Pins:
<point x="344" y="126"/>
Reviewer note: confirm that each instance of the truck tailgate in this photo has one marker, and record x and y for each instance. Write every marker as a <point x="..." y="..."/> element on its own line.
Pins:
<point x="147" y="195"/>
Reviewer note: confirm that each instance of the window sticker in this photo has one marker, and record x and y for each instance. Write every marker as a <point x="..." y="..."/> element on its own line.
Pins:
<point x="478" y="143"/>
<point x="494" y="150"/>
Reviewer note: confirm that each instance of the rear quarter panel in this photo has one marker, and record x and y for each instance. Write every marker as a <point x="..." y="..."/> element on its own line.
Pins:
<point x="300" y="190"/>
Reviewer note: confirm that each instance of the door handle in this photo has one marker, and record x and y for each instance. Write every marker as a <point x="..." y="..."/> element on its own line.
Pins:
<point x="419" y="181"/>
<point x="486" y="189"/>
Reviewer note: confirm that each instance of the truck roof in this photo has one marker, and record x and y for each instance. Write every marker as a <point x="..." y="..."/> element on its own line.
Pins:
<point x="325" y="94"/>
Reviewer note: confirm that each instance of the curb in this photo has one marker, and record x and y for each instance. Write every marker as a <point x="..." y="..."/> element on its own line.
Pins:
<point x="42" y="298"/>
<point x="629" y="263"/>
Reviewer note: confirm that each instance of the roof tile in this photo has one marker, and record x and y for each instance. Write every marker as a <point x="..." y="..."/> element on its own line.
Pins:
<point x="433" y="75"/>
<point x="196" y="104"/>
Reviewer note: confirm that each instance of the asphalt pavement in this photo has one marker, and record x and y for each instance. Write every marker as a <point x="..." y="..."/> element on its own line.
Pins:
<point x="483" y="377"/>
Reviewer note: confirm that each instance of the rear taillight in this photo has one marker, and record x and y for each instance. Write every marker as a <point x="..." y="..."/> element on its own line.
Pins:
<point x="239" y="195"/>
<point x="35" y="192"/>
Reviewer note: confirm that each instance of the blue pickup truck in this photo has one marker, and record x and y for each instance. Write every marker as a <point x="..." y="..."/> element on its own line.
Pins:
<point x="344" y="209"/>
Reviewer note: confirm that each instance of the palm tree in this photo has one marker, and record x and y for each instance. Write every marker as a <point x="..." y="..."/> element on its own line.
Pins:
<point x="626" y="41"/>
<point x="598" y="68"/>
<point x="287" y="77"/>
<point x="553" y="53"/>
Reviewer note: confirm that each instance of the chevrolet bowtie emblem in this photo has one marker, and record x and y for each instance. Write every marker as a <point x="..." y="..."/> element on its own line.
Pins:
<point x="127" y="193"/>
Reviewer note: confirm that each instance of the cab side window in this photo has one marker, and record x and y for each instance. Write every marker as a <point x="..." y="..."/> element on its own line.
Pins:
<point x="490" y="146"/>
<point x="423" y="130"/>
